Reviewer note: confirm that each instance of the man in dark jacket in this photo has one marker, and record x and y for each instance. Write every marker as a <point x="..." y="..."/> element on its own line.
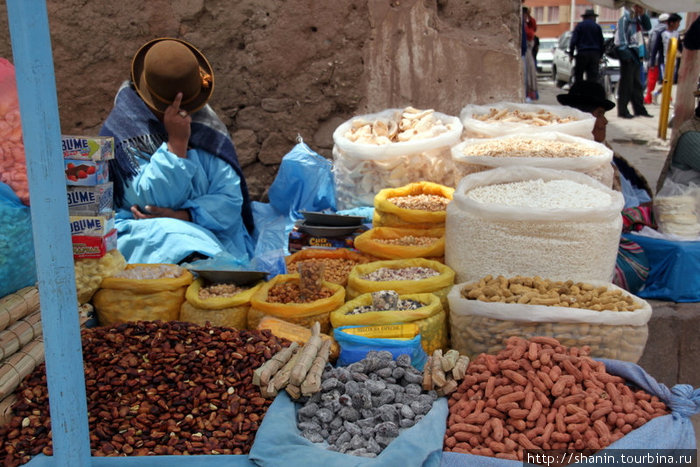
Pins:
<point x="587" y="40"/>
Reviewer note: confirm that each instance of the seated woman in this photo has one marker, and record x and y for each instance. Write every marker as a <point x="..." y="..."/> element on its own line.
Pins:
<point x="682" y="164"/>
<point x="632" y="265"/>
<point x="179" y="191"/>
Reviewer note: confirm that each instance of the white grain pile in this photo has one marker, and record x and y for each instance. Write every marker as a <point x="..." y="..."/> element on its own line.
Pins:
<point x="552" y="194"/>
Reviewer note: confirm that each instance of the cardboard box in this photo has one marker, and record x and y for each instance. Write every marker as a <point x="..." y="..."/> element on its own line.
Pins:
<point x="90" y="200"/>
<point x="93" y="226"/>
<point x="88" y="148"/>
<point x="299" y="240"/>
<point x="86" y="173"/>
<point x="86" y="246"/>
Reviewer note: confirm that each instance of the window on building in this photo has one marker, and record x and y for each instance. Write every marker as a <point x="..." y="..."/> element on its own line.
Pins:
<point x="545" y="14"/>
<point x="553" y="14"/>
<point x="538" y="13"/>
<point x="609" y="14"/>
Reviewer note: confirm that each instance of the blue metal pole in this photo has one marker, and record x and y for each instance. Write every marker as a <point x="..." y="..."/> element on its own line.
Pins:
<point x="36" y="86"/>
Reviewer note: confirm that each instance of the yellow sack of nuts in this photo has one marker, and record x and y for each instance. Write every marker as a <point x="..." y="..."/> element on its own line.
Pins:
<point x="145" y="292"/>
<point x="430" y="318"/>
<point x="608" y="319"/>
<point x="419" y="205"/>
<point x="339" y="262"/>
<point x="219" y="304"/>
<point x="284" y="297"/>
<point x="405" y="276"/>
<point x="401" y="243"/>
<point x="89" y="273"/>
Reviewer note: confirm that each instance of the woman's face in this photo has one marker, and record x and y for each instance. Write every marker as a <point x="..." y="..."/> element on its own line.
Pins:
<point x="600" y="123"/>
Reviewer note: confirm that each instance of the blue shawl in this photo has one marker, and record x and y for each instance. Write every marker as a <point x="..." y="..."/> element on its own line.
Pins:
<point x="138" y="132"/>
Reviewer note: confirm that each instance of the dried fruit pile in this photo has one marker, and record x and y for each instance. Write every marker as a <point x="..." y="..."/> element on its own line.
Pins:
<point x="154" y="388"/>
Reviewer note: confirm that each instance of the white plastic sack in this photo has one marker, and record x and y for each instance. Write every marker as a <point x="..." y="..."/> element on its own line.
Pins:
<point x="597" y="164"/>
<point x="581" y="126"/>
<point x="557" y="244"/>
<point x="361" y="170"/>
<point x="483" y="327"/>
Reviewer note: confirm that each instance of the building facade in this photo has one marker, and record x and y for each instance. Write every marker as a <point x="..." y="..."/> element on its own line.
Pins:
<point x="557" y="16"/>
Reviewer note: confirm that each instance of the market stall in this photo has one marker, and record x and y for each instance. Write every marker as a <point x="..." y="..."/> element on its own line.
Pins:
<point x="417" y="338"/>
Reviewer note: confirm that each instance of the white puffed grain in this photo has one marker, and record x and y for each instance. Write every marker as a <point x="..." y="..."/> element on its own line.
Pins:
<point x="555" y="194"/>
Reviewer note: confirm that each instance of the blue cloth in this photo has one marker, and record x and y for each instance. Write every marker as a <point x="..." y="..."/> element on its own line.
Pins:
<point x="205" y="185"/>
<point x="17" y="268"/>
<point x="674" y="431"/>
<point x="278" y="442"/>
<point x="355" y="348"/>
<point x="674" y="269"/>
<point x="137" y="131"/>
<point x="587" y="35"/>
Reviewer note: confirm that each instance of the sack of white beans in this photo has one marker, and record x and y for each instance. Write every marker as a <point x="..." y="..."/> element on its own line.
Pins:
<point x="506" y="118"/>
<point x="551" y="150"/>
<point x="390" y="149"/>
<point x="520" y="220"/>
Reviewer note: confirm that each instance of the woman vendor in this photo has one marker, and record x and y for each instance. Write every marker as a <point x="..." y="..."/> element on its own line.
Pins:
<point x="179" y="191"/>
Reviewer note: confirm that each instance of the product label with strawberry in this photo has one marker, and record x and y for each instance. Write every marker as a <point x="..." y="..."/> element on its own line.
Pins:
<point x="86" y="173"/>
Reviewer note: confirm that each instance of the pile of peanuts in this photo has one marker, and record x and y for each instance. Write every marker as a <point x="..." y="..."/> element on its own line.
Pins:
<point x="538" y="291"/>
<point x="154" y="388"/>
<point x="422" y="202"/>
<point x="291" y="292"/>
<point x="220" y="290"/>
<point x="537" y="394"/>
<point x="408" y="240"/>
<point x="337" y="269"/>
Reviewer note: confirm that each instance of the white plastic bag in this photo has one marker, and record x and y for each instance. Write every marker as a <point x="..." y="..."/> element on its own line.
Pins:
<point x="581" y="123"/>
<point x="560" y="244"/>
<point x="677" y="210"/>
<point x="361" y="170"/>
<point x="482" y="327"/>
<point x="596" y="163"/>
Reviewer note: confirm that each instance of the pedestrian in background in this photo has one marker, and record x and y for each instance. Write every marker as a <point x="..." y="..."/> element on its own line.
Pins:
<point x="530" y="69"/>
<point x="629" y="40"/>
<point x="587" y="44"/>
<point x="655" y="58"/>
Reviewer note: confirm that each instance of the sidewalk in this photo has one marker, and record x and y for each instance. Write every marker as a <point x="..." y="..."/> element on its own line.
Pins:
<point x="671" y="352"/>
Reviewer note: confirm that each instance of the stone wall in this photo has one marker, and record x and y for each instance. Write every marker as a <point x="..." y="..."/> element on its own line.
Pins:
<point x="294" y="67"/>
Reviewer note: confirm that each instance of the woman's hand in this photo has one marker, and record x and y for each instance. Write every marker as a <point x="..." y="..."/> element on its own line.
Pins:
<point x="151" y="212"/>
<point x="177" y="124"/>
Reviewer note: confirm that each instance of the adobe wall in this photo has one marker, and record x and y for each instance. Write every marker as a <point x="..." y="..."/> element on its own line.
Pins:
<point x="294" y="67"/>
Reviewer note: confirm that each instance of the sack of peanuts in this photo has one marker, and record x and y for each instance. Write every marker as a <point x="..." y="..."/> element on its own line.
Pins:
<point x="291" y="298"/>
<point x="389" y="307"/>
<point x="550" y="150"/>
<point x="391" y="149"/>
<point x="401" y="243"/>
<point x="419" y="205"/>
<point x="142" y="292"/>
<point x="557" y="224"/>
<point x="608" y="319"/>
<point x="89" y="273"/>
<point x="338" y="262"/>
<point x="405" y="276"/>
<point x="537" y="396"/>
<point x="506" y="118"/>
<point x="219" y="304"/>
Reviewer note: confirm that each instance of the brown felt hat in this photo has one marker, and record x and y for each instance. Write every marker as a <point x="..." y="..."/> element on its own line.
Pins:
<point x="163" y="67"/>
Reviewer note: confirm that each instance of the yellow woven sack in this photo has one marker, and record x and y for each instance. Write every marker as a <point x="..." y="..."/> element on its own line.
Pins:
<point x="370" y="242"/>
<point x="440" y="285"/>
<point x="230" y="312"/>
<point x="121" y="299"/>
<point x="387" y="214"/>
<point x="429" y="318"/>
<point x="304" y="314"/>
<point x="89" y="273"/>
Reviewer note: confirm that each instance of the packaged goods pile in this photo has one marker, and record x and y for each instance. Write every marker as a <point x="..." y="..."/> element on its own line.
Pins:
<point x="538" y="222"/>
<point x="539" y="395"/>
<point x="193" y="393"/>
<point x="609" y="320"/>
<point x="390" y="149"/>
